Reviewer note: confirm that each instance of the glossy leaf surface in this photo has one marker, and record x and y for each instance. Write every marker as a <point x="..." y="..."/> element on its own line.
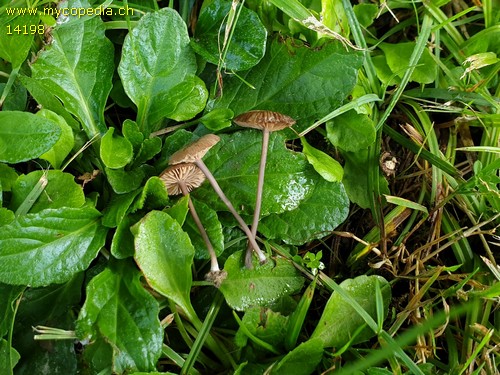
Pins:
<point x="56" y="155"/>
<point x="261" y="285"/>
<point x="49" y="246"/>
<point x="329" y="168"/>
<point x="235" y="164"/>
<point x="25" y="136"/>
<point x="116" y="151"/>
<point x="77" y="67"/>
<point x="157" y="70"/>
<point x="325" y="208"/>
<point x="164" y="253"/>
<point x="119" y="310"/>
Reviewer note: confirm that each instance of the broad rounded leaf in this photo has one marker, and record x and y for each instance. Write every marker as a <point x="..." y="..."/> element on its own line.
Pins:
<point x="395" y="54"/>
<point x="324" y="209"/>
<point x="116" y="151"/>
<point x="158" y="69"/>
<point x="118" y="309"/>
<point x="50" y="246"/>
<point x="164" y="253"/>
<point x="340" y="320"/>
<point x="261" y="285"/>
<point x="235" y="164"/>
<point x="298" y="81"/>
<point x="61" y="191"/>
<point x="248" y="40"/>
<point x="351" y="131"/>
<point x="25" y="136"/>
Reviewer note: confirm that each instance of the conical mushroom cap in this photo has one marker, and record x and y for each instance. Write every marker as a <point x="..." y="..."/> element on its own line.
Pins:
<point x="188" y="173"/>
<point x="262" y="119"/>
<point x="194" y="151"/>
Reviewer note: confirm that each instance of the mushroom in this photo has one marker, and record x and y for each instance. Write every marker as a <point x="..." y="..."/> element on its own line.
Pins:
<point x="267" y="121"/>
<point x="182" y="179"/>
<point x="194" y="153"/>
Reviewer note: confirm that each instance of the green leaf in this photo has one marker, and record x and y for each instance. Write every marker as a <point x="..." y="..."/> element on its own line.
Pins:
<point x="212" y="225"/>
<point x="6" y="216"/>
<point x="122" y="245"/>
<point x="8" y="295"/>
<point x="217" y="119"/>
<point x="235" y="164"/>
<point x="120" y="311"/>
<point x="131" y="131"/>
<point x="405" y="203"/>
<point x="340" y="320"/>
<point x="263" y="323"/>
<point x="356" y="180"/>
<point x="149" y="148"/>
<point x="123" y="181"/>
<point x="302" y="360"/>
<point x="179" y="210"/>
<point x="8" y="356"/>
<point x="322" y="211"/>
<point x="14" y="46"/>
<point x="77" y="67"/>
<point x="8" y="177"/>
<point x="116" y="151"/>
<point x="158" y="69"/>
<point x="153" y="195"/>
<point x="49" y="246"/>
<point x="397" y="54"/>
<point x="164" y="253"/>
<point x="365" y="13"/>
<point x="61" y="191"/>
<point x="25" y="136"/>
<point x="16" y="98"/>
<point x="64" y="145"/>
<point x="248" y="41"/>
<point x="329" y="168"/>
<point x="261" y="285"/>
<point x="119" y="206"/>
<point x="351" y="131"/>
<point x="296" y="80"/>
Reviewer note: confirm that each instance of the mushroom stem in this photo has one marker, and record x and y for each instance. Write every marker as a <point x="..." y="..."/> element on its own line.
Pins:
<point x="215" y="185"/>
<point x="258" y="197"/>
<point x="214" y="264"/>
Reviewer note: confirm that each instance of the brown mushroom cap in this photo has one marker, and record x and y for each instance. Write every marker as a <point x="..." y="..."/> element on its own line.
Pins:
<point x="194" y="151"/>
<point x="188" y="173"/>
<point x="262" y="119"/>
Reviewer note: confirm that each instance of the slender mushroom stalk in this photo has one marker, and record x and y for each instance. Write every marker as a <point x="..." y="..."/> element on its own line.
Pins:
<point x="267" y="121"/>
<point x="183" y="178"/>
<point x="194" y="153"/>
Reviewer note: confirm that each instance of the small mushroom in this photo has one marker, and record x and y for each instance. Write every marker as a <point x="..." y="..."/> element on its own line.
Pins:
<point x="182" y="179"/>
<point x="194" y="153"/>
<point x="267" y="121"/>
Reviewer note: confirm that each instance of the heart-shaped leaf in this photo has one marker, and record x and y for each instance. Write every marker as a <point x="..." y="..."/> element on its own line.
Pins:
<point x="261" y="285"/>
<point x="158" y="70"/>
<point x="50" y="246"/>
<point x="119" y="310"/>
